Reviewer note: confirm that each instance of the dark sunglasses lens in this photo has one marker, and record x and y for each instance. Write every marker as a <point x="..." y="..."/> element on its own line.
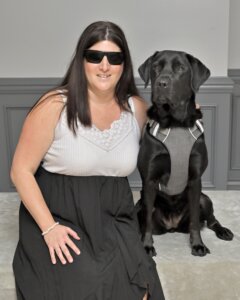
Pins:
<point x="95" y="57"/>
<point x="115" y="58"/>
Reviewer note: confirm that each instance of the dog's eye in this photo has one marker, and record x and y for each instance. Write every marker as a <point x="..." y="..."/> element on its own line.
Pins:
<point x="157" y="70"/>
<point x="179" y="68"/>
<point x="157" y="67"/>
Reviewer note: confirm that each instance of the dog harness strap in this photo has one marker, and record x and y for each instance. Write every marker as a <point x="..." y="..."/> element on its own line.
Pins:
<point x="179" y="142"/>
<point x="197" y="129"/>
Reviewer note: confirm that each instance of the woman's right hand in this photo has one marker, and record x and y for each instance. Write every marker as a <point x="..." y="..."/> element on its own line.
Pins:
<point x="58" y="242"/>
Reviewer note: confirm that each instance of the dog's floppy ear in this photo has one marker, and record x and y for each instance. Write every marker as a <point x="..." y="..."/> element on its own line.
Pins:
<point x="144" y="69"/>
<point x="200" y="72"/>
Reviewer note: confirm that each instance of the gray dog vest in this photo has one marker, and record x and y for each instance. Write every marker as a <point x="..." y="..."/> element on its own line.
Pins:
<point x="179" y="142"/>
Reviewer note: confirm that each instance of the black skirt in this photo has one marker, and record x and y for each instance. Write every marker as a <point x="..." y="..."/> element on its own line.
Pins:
<point x="112" y="265"/>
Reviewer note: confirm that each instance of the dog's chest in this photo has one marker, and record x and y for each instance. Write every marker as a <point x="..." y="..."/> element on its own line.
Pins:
<point x="172" y="221"/>
<point x="179" y="143"/>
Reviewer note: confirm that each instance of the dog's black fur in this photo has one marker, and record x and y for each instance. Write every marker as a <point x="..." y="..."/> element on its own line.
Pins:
<point x="175" y="78"/>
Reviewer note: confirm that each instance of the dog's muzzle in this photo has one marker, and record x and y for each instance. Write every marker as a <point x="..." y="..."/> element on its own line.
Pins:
<point x="164" y="82"/>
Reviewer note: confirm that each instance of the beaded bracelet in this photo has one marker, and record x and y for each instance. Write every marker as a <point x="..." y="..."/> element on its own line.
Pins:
<point x="50" y="228"/>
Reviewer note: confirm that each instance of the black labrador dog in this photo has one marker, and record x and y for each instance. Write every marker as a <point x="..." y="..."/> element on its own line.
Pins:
<point x="173" y="153"/>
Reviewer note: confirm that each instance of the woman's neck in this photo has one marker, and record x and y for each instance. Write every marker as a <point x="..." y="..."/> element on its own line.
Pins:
<point x="101" y="99"/>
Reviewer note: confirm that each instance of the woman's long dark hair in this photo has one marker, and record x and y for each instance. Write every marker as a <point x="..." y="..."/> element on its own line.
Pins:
<point x="75" y="83"/>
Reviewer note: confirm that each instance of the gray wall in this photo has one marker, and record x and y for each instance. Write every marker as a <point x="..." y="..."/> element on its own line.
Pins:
<point x="234" y="35"/>
<point x="234" y="155"/>
<point x="39" y="37"/>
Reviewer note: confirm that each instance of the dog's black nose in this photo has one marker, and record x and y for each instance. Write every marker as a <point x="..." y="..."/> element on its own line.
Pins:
<point x="164" y="81"/>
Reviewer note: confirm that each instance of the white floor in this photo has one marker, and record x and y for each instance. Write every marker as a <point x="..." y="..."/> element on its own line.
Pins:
<point x="183" y="276"/>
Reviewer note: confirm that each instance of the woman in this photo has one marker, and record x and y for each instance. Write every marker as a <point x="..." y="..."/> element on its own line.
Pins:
<point x="78" y="232"/>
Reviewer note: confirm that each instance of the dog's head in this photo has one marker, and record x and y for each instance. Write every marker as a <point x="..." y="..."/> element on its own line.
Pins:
<point x="175" y="78"/>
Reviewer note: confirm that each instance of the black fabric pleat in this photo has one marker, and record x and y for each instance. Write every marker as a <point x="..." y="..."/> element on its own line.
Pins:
<point x="113" y="264"/>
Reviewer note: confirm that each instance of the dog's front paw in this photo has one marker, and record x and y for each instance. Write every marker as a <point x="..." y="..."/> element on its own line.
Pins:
<point x="200" y="250"/>
<point x="221" y="232"/>
<point x="148" y="244"/>
<point x="224" y="233"/>
<point x="150" y="251"/>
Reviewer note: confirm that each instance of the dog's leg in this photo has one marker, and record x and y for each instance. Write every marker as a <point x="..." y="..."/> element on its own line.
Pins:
<point x="212" y="223"/>
<point x="197" y="245"/>
<point x="158" y="225"/>
<point x="148" y="199"/>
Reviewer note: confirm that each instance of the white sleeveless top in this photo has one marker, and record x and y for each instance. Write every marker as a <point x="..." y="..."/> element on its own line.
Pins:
<point x="93" y="152"/>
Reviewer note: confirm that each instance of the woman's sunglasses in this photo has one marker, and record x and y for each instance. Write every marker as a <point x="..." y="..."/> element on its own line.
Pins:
<point x="95" y="57"/>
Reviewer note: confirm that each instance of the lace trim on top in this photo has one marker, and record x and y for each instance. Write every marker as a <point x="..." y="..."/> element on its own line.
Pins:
<point x="109" y="138"/>
<point x="106" y="139"/>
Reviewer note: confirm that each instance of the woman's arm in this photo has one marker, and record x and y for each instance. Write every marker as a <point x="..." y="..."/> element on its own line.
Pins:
<point x="35" y="139"/>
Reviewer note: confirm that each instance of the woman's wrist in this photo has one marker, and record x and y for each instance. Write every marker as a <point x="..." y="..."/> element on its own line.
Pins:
<point x="50" y="228"/>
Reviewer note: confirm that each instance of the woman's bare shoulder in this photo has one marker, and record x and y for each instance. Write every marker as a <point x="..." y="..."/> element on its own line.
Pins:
<point x="52" y="98"/>
<point x="140" y="103"/>
<point x="49" y="107"/>
<point x="38" y="132"/>
<point x="141" y="107"/>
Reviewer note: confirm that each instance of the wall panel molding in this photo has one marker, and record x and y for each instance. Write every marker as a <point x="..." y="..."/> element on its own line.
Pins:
<point x="27" y="85"/>
<point x="234" y="159"/>
<point x="209" y="120"/>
